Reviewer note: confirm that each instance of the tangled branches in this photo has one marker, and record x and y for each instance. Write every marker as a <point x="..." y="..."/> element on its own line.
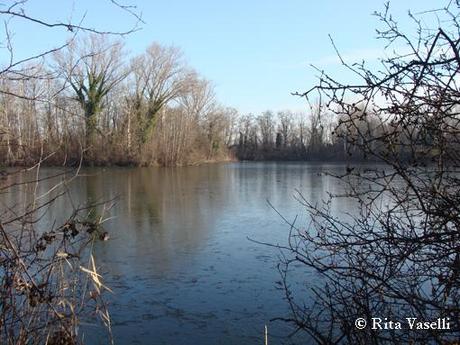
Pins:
<point x="48" y="277"/>
<point x="398" y="255"/>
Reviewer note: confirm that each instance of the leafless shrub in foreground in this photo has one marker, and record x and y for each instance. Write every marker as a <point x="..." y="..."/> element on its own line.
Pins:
<point x="48" y="277"/>
<point x="397" y="256"/>
<point x="49" y="282"/>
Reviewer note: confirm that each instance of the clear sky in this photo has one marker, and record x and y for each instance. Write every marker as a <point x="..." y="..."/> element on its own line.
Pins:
<point x="256" y="52"/>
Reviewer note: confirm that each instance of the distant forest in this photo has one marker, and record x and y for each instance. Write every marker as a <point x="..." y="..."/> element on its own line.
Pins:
<point x="90" y="104"/>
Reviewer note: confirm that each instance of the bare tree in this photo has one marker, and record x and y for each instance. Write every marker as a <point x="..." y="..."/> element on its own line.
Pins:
<point x="48" y="276"/>
<point x="230" y="131"/>
<point x="285" y="127"/>
<point x="316" y="130"/>
<point x="248" y="138"/>
<point x="397" y="256"/>
<point x="92" y="67"/>
<point x="160" y="76"/>
<point x="18" y="10"/>
<point x="267" y="129"/>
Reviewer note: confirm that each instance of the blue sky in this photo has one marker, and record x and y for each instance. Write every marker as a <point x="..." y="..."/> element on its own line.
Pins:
<point x="255" y="52"/>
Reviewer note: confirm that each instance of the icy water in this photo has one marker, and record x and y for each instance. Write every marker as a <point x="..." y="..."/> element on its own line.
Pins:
<point x="180" y="259"/>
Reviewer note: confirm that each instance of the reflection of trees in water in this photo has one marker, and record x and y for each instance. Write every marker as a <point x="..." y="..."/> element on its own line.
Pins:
<point x="164" y="211"/>
<point x="27" y="194"/>
<point x="162" y="214"/>
<point x="279" y="181"/>
<point x="91" y="198"/>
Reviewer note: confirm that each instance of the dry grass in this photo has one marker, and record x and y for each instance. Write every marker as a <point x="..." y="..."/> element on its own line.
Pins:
<point x="48" y="275"/>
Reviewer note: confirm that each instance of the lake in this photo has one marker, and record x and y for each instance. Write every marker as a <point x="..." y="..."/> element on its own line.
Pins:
<point x="181" y="259"/>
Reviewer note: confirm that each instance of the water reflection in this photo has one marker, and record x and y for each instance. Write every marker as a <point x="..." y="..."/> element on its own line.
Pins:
<point x="179" y="259"/>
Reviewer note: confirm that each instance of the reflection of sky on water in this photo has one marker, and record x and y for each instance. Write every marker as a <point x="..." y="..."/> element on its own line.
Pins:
<point x="179" y="259"/>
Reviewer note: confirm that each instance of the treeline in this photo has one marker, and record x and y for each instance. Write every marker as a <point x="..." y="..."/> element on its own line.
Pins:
<point x="91" y="104"/>
<point x="314" y="136"/>
<point x="285" y="136"/>
<point x="325" y="134"/>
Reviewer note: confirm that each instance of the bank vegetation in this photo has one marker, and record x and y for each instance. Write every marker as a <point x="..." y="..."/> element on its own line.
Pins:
<point x="91" y="100"/>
